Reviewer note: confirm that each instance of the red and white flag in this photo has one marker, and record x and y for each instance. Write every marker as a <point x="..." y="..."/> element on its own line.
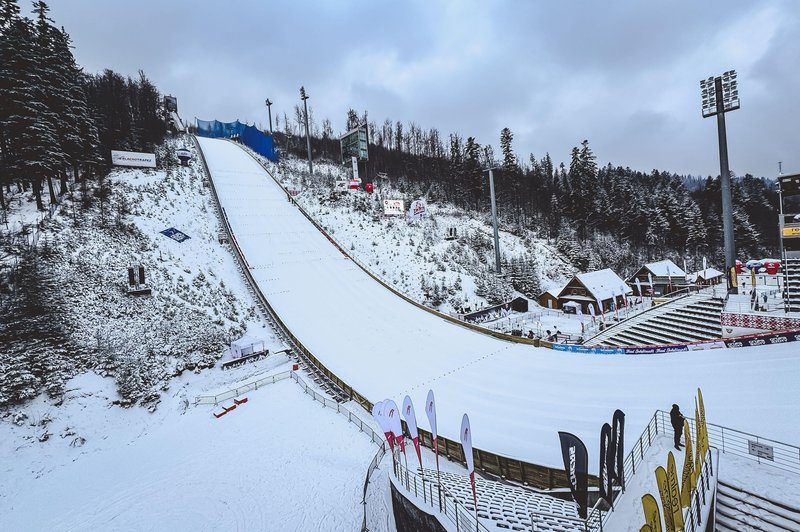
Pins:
<point x="411" y="421"/>
<point x="430" y="410"/>
<point x="377" y="413"/>
<point x="466" y="443"/>
<point x="392" y="414"/>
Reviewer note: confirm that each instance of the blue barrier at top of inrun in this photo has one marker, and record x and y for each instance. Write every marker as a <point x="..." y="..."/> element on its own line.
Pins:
<point x="250" y="136"/>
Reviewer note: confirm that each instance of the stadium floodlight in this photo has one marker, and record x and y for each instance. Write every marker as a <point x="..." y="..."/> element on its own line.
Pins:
<point x="304" y="97"/>
<point x="719" y="95"/>
<point x="269" y="111"/>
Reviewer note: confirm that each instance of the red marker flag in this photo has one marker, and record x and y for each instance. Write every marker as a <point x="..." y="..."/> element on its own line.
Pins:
<point x="392" y="414"/>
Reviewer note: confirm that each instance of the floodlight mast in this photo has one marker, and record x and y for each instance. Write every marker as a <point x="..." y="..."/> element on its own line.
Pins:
<point x="304" y="97"/>
<point x="720" y="94"/>
<point x="269" y="111"/>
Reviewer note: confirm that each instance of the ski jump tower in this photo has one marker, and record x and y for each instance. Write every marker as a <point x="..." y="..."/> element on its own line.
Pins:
<point x="790" y="239"/>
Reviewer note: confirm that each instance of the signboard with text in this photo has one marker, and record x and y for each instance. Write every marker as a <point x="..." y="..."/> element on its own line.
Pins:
<point x="133" y="158"/>
<point x="391" y="207"/>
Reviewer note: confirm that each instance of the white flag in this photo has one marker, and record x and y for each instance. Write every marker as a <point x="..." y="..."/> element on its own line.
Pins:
<point x="411" y="421"/>
<point x="393" y="415"/>
<point x="430" y="409"/>
<point x="466" y="444"/>
<point x="639" y="287"/>
<point x="591" y="309"/>
<point x="650" y="278"/>
<point x="378" y="414"/>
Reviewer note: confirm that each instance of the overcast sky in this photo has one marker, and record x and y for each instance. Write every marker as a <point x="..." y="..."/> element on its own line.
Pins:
<point x="622" y="74"/>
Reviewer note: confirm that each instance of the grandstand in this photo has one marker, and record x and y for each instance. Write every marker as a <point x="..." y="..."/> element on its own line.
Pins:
<point x="693" y="317"/>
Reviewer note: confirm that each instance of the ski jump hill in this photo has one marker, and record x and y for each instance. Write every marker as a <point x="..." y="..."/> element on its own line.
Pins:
<point x="517" y="396"/>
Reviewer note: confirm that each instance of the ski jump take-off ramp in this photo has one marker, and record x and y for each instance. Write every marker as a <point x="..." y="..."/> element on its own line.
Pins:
<point x="517" y="396"/>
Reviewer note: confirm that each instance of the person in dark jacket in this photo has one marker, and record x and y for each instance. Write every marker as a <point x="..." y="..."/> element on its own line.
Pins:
<point x="676" y="418"/>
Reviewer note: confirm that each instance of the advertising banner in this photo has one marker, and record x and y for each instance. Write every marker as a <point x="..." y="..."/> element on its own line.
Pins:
<point x="666" y="503"/>
<point x="411" y="421"/>
<point x="576" y="465"/>
<point x="393" y="207"/>
<point x="674" y="492"/>
<point x="618" y="444"/>
<point x="606" y="465"/>
<point x="652" y="516"/>
<point x="687" y="477"/>
<point x="417" y="209"/>
<point x="392" y="414"/>
<point x="466" y="443"/>
<point x="355" y="169"/>
<point x="133" y="158"/>
<point x="377" y="413"/>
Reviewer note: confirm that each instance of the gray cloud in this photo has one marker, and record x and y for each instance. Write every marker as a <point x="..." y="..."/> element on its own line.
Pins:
<point x="622" y="74"/>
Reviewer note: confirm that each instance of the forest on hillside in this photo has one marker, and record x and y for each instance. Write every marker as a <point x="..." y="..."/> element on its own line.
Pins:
<point x="58" y="123"/>
<point x="599" y="216"/>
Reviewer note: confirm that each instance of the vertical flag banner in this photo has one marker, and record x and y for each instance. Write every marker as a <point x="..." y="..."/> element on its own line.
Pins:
<point x="674" y="493"/>
<point x="591" y="311"/>
<point x="622" y="292"/>
<point x="392" y="413"/>
<point x="580" y="317"/>
<point x="639" y="287"/>
<point x="698" y="460"/>
<point x="687" y="478"/>
<point x="411" y="421"/>
<point x="705" y="267"/>
<point x="685" y="269"/>
<point x="377" y="413"/>
<point x="652" y="516"/>
<point x="666" y="504"/>
<point x="618" y="443"/>
<point x="702" y="420"/>
<point x="576" y="465"/>
<point x="466" y="443"/>
<point x="430" y="410"/>
<point x="606" y="465"/>
<point x="650" y="280"/>
<point x="669" y="280"/>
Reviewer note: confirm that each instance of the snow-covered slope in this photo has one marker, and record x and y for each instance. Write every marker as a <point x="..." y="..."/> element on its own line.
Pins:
<point x="517" y="396"/>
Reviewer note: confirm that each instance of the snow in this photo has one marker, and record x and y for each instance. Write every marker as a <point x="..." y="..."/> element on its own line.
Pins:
<point x="517" y="396"/>
<point x="603" y="284"/>
<point x="280" y="461"/>
<point x="665" y="268"/>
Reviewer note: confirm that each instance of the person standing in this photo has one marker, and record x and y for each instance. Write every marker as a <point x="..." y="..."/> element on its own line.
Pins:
<point x="676" y="418"/>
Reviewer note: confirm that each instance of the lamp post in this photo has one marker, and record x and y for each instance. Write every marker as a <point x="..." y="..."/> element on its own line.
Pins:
<point x="494" y="222"/>
<point x="304" y="97"/>
<point x="269" y="111"/>
<point x="721" y="94"/>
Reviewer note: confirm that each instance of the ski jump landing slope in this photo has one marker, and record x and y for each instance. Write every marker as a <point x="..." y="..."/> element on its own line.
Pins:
<point x="517" y="396"/>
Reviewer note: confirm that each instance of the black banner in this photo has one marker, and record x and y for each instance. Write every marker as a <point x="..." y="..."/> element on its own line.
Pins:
<point x="576" y="465"/>
<point x="606" y="465"/>
<point x="763" y="339"/>
<point x="618" y="445"/>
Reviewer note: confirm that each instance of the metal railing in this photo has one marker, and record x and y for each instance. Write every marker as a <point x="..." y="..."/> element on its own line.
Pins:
<point x="239" y="390"/>
<point x="438" y="498"/>
<point x="785" y="456"/>
<point x="706" y="487"/>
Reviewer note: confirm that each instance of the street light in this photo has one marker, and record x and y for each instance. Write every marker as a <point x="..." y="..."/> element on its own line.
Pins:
<point x="269" y="110"/>
<point x="304" y="97"/>
<point x="719" y="95"/>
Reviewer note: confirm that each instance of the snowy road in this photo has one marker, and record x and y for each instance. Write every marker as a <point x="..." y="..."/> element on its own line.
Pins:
<point x="517" y="396"/>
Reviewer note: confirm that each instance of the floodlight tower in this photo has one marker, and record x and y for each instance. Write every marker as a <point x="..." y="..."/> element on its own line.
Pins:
<point x="490" y="168"/>
<point x="269" y="111"/>
<point x="720" y="95"/>
<point x="304" y="97"/>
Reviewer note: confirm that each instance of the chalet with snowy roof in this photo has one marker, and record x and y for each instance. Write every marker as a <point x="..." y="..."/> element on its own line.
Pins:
<point x="667" y="277"/>
<point x="707" y="277"/>
<point x="549" y="298"/>
<point x="600" y="287"/>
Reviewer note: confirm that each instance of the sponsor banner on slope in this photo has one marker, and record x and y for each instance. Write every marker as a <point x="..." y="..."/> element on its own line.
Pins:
<point x="572" y="348"/>
<point x="764" y="339"/>
<point x="174" y="234"/>
<point x="393" y="206"/>
<point x="133" y="158"/>
<point x="654" y="349"/>
<point x="417" y="209"/>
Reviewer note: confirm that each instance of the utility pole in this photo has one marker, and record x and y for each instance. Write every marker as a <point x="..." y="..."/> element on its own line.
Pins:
<point x="720" y="94"/>
<point x="269" y="111"/>
<point x="494" y="222"/>
<point x="304" y="97"/>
